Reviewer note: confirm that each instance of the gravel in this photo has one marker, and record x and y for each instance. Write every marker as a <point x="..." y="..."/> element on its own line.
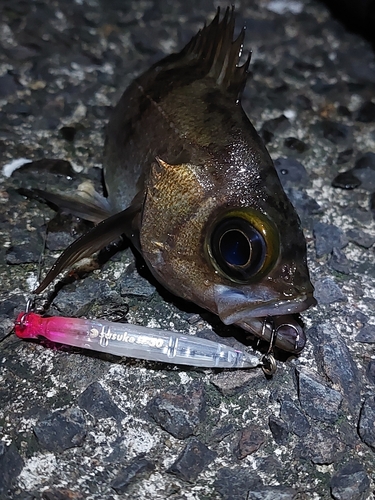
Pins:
<point x="77" y="424"/>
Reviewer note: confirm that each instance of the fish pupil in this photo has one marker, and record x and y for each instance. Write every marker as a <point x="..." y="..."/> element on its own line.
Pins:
<point x="235" y="248"/>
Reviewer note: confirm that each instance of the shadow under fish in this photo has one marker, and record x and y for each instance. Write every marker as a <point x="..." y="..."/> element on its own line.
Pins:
<point x="193" y="188"/>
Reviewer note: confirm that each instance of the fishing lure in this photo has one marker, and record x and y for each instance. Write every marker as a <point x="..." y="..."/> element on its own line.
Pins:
<point x="153" y="344"/>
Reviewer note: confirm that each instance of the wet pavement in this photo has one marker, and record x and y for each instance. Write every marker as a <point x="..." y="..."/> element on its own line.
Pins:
<point x="81" y="425"/>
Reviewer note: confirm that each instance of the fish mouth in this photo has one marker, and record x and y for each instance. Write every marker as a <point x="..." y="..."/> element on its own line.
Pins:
<point x="275" y="321"/>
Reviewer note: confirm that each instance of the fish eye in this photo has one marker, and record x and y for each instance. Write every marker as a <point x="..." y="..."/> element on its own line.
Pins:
<point x="243" y="244"/>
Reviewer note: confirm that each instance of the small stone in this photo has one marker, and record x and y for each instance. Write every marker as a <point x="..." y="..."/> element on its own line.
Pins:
<point x="59" y="234"/>
<point x="360" y="238"/>
<point x="321" y="86"/>
<point x="351" y="482"/>
<point x="194" y="319"/>
<point x="132" y="284"/>
<point x="261" y="29"/>
<point x="54" y="166"/>
<point x="230" y="383"/>
<point x="266" y="136"/>
<point x="346" y="180"/>
<point x="269" y="465"/>
<point x="265" y="464"/>
<point x="21" y="109"/>
<point x="62" y="430"/>
<point x="372" y="205"/>
<point x="367" y="178"/>
<point x="78" y="298"/>
<point x="58" y="240"/>
<point x="10" y="307"/>
<point x="327" y="237"/>
<point x="302" y="102"/>
<point x="192" y="461"/>
<point x="364" y="170"/>
<point x="272" y="493"/>
<point x="366" y="335"/>
<point x="362" y="71"/>
<point x="370" y="371"/>
<point x="250" y="440"/>
<point x="296" y="144"/>
<point x="279" y="429"/>
<point x="275" y="126"/>
<point x="320" y="447"/>
<point x="8" y="85"/>
<point x="318" y="400"/>
<point x="358" y="214"/>
<point x="6" y="326"/>
<point x="68" y="133"/>
<point x="302" y="202"/>
<point x="23" y="53"/>
<point x="344" y="111"/>
<point x="369" y="302"/>
<point x="221" y="433"/>
<point x="366" y="113"/>
<point x="327" y="291"/>
<point x="24" y="254"/>
<point x="366" y="427"/>
<point x="335" y="132"/>
<point x="339" y="262"/>
<point x="178" y="414"/>
<point x="62" y="494"/>
<point x="291" y="172"/>
<point x="97" y="401"/>
<point x="11" y="465"/>
<point x="145" y="42"/>
<point x="140" y="466"/>
<point x="234" y="484"/>
<point x="60" y="231"/>
<point x="344" y="156"/>
<point x="358" y="316"/>
<point x="346" y="431"/>
<point x="335" y="361"/>
<point x="152" y="14"/>
<point x="294" y="418"/>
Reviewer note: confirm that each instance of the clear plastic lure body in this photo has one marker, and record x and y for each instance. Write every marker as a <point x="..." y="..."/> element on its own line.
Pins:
<point x="124" y="339"/>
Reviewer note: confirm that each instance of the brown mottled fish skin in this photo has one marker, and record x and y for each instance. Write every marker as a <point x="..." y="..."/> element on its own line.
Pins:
<point x="182" y="154"/>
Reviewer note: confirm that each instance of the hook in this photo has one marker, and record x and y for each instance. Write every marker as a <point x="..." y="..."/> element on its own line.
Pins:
<point x="268" y="361"/>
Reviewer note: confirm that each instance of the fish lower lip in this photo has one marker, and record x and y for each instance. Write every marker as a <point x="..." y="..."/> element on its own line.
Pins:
<point x="251" y="311"/>
<point x="282" y="308"/>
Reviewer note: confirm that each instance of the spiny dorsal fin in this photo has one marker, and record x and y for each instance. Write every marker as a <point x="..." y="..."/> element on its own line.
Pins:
<point x="214" y="48"/>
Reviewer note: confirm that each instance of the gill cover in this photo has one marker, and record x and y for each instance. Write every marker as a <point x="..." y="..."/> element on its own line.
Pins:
<point x="242" y="244"/>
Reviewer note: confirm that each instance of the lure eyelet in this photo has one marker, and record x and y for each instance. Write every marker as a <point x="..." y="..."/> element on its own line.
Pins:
<point x="242" y="244"/>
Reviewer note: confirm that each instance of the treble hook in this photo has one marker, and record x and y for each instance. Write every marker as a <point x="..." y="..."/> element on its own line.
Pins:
<point x="29" y="304"/>
<point x="29" y="307"/>
<point x="268" y="361"/>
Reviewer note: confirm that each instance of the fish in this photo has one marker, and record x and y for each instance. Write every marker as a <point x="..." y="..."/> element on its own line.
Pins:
<point x="191" y="185"/>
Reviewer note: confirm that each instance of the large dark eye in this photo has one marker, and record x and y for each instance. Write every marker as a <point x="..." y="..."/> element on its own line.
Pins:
<point x="243" y="244"/>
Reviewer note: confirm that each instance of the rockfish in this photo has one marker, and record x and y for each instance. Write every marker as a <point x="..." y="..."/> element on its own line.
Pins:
<point x="192" y="186"/>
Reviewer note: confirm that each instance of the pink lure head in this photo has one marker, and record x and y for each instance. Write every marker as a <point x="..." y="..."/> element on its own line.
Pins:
<point x="28" y="325"/>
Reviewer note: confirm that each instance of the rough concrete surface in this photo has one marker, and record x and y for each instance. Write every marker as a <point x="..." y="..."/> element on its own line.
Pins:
<point x="80" y="425"/>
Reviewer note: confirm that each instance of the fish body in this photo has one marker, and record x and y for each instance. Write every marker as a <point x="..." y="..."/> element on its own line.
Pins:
<point x="191" y="184"/>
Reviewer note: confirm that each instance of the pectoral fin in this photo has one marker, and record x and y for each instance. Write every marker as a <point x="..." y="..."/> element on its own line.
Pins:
<point x="86" y="203"/>
<point x="94" y="240"/>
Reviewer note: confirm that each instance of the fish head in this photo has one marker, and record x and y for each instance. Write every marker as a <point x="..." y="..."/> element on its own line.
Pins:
<point x="230" y="241"/>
